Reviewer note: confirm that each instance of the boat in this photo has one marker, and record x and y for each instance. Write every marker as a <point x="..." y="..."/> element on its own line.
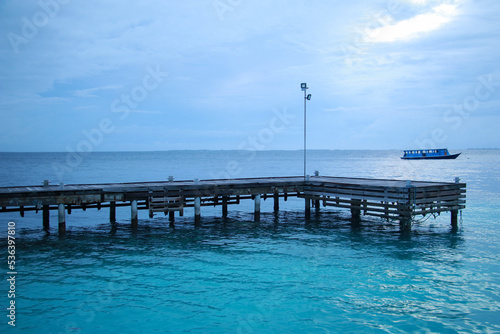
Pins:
<point x="440" y="153"/>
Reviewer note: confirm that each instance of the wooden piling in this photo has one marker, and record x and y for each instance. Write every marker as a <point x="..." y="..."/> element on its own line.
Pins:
<point x="46" y="217"/>
<point x="62" y="219"/>
<point x="355" y="211"/>
<point x="197" y="210"/>
<point x="112" y="212"/>
<point x="307" y="207"/>
<point x="454" y="219"/>
<point x="224" y="206"/>
<point x="257" y="208"/>
<point x="405" y="218"/>
<point x="454" y="213"/>
<point x="134" y="216"/>
<point x="276" y="202"/>
<point x="405" y="225"/>
<point x="316" y="201"/>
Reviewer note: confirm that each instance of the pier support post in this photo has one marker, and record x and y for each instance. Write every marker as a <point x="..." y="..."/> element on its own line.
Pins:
<point x="316" y="201"/>
<point x="454" y="213"/>
<point x="224" y="206"/>
<point x="197" y="210"/>
<point x="46" y="217"/>
<point x="276" y="203"/>
<point x="257" y="208"/>
<point x="355" y="211"/>
<point x="133" y="209"/>
<point x="112" y="211"/>
<point x="171" y="216"/>
<point x="405" y="218"/>
<point x="308" y="207"/>
<point x="405" y="224"/>
<point x="62" y="219"/>
<point x="454" y="219"/>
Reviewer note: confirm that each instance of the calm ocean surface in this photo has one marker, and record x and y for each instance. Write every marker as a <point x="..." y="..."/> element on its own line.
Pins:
<point x="232" y="275"/>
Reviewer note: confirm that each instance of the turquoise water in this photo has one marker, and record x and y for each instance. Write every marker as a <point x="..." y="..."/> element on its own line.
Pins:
<point x="232" y="275"/>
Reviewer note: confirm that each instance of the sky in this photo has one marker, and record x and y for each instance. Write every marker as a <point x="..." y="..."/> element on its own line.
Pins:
<point x="83" y="76"/>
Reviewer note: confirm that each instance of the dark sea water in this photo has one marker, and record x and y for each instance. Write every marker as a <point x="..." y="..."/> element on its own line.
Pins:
<point x="281" y="275"/>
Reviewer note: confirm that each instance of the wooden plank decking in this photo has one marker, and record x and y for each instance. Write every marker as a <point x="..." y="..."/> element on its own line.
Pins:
<point x="388" y="199"/>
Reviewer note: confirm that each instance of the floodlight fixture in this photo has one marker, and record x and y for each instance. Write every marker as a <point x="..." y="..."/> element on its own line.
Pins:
<point x="309" y="96"/>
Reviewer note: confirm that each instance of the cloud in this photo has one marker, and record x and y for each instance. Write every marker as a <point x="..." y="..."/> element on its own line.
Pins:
<point x="414" y="27"/>
<point x="89" y="92"/>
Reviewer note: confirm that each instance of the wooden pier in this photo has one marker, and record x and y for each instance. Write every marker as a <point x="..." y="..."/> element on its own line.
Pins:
<point x="388" y="199"/>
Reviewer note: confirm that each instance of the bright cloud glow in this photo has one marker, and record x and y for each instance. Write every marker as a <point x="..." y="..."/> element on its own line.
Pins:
<point x="414" y="27"/>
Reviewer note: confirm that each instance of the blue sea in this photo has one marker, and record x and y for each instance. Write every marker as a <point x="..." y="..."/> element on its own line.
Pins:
<point x="281" y="275"/>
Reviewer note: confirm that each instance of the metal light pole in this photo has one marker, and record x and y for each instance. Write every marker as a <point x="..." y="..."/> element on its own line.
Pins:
<point x="304" y="88"/>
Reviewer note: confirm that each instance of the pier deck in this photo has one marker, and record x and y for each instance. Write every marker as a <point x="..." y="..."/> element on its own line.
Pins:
<point x="388" y="199"/>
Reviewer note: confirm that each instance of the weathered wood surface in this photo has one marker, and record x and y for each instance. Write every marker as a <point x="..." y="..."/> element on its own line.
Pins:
<point x="377" y="197"/>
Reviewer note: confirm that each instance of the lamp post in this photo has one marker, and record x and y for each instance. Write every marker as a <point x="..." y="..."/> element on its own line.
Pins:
<point x="307" y="97"/>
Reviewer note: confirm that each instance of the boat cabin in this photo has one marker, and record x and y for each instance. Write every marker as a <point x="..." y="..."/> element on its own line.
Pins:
<point x="441" y="152"/>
